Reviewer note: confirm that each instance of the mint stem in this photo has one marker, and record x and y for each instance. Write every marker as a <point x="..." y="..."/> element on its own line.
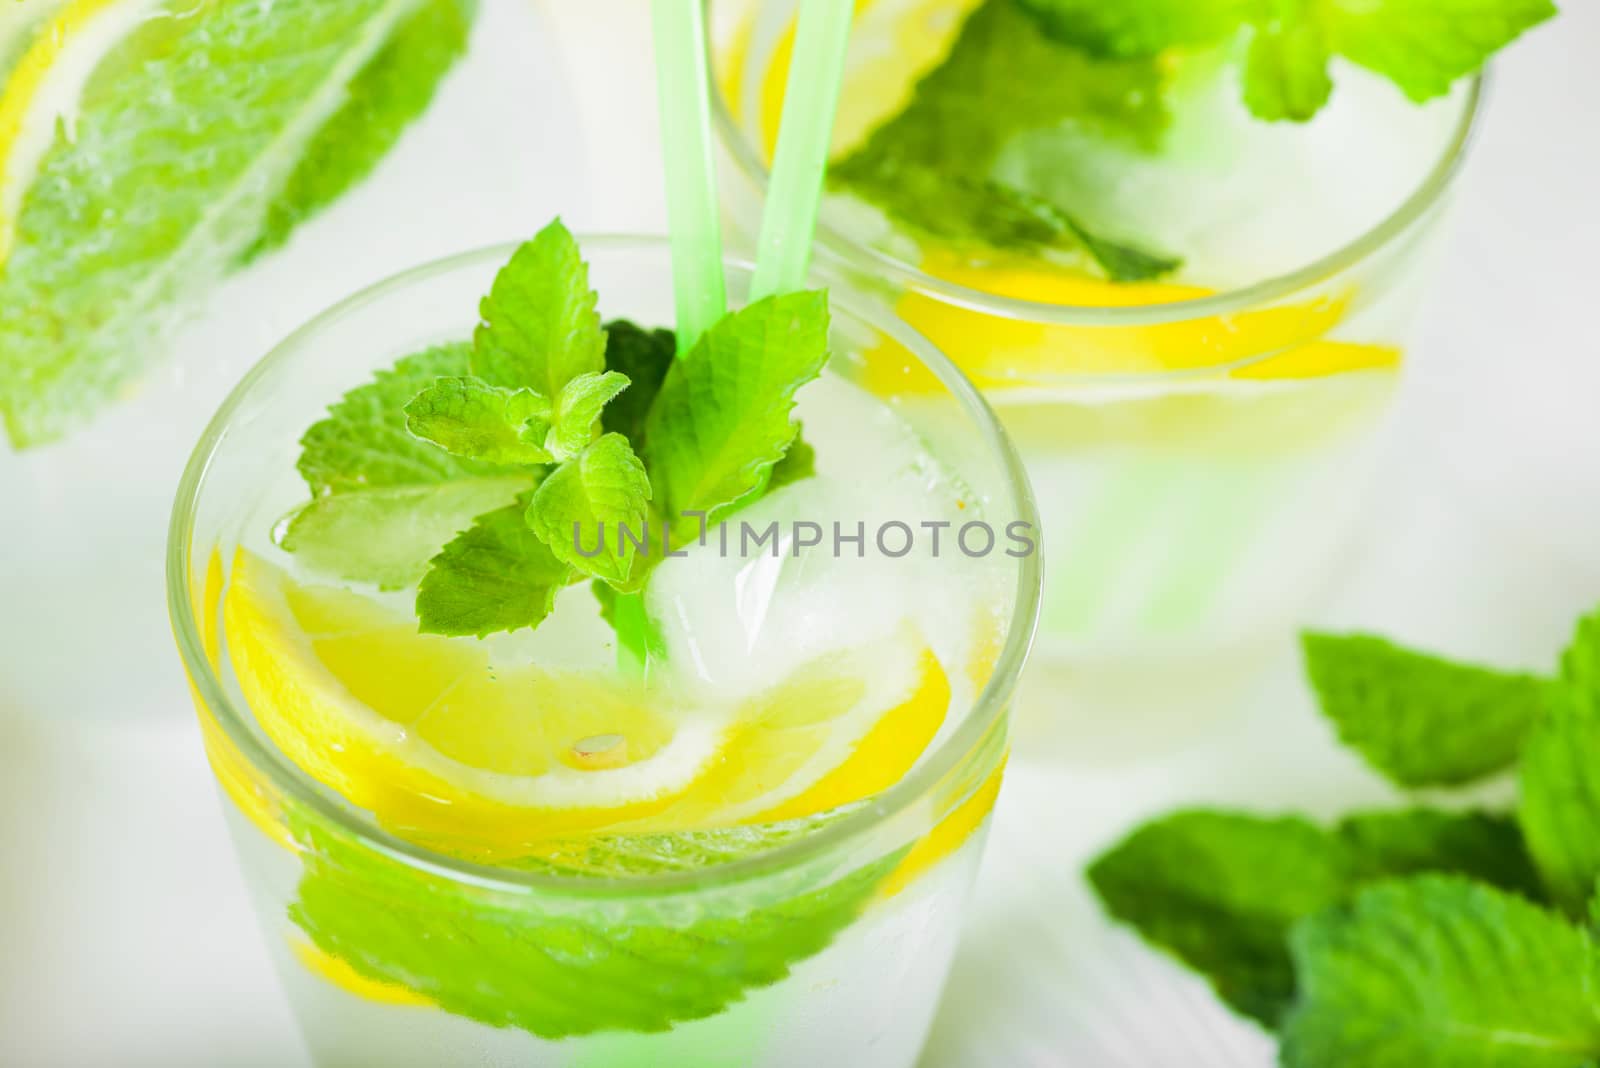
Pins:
<point x="635" y="634"/>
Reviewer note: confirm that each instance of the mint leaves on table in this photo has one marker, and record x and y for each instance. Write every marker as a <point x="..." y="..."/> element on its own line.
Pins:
<point x="1423" y="46"/>
<point x="1560" y="779"/>
<point x="1422" y="720"/>
<point x="932" y="167"/>
<point x="495" y="474"/>
<point x="1440" y="972"/>
<point x="1413" y="938"/>
<point x="1221" y="891"/>
<point x="558" y="967"/>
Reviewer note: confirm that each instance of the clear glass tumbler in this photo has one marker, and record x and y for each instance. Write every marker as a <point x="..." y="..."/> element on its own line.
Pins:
<point x="1199" y="453"/>
<point x="830" y="947"/>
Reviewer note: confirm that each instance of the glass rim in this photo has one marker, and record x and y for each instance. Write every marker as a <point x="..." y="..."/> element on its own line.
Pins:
<point x="266" y="759"/>
<point x="910" y="278"/>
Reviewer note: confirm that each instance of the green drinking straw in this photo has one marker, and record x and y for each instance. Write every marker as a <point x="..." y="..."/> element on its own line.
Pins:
<point x="805" y="134"/>
<point x="684" y="97"/>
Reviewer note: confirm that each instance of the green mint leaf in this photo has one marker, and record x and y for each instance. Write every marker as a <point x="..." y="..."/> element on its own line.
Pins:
<point x="520" y="961"/>
<point x="1137" y="28"/>
<point x="385" y="537"/>
<point x="985" y="212"/>
<point x="1286" y="72"/>
<point x="383" y="501"/>
<point x="576" y="419"/>
<point x="1560" y="777"/>
<point x="540" y="329"/>
<point x="1440" y="972"/>
<point x="644" y="356"/>
<point x="722" y="418"/>
<point x="1419" y="719"/>
<point x="1424" y="46"/>
<point x="495" y="576"/>
<point x="800" y="462"/>
<point x="468" y="417"/>
<point x="933" y="167"/>
<point x="395" y="88"/>
<point x="585" y="508"/>
<point x="1220" y="891"/>
<point x="164" y="181"/>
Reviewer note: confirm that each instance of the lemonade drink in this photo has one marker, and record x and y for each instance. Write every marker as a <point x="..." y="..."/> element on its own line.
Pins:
<point x="753" y="850"/>
<point x="1197" y="395"/>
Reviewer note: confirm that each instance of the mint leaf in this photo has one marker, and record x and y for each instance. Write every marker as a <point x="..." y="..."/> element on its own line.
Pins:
<point x="585" y="508"/>
<point x="1560" y="777"/>
<point x="1439" y="972"/>
<point x="1424" y="46"/>
<point x="1220" y="891"/>
<point x="383" y="501"/>
<point x="495" y="576"/>
<point x="722" y="418"/>
<point x="644" y="356"/>
<point x="1286" y="72"/>
<point x="962" y="210"/>
<point x="1137" y="28"/>
<point x="578" y="409"/>
<point x="386" y="536"/>
<point x="395" y="88"/>
<point x="933" y="167"/>
<point x="1419" y="719"/>
<point x="467" y="417"/>
<point x="800" y="462"/>
<point x="160" y="184"/>
<point x="518" y="961"/>
<point x="540" y="329"/>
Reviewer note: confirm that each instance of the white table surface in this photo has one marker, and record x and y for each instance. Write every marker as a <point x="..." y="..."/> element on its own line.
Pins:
<point x="125" y="936"/>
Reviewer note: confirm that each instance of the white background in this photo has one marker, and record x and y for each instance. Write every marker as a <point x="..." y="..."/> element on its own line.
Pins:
<point x="125" y="936"/>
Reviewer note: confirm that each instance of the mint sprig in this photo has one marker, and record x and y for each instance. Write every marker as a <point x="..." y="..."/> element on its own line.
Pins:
<point x="1422" y="46"/>
<point x="1220" y="891"/>
<point x="546" y="451"/>
<point x="1439" y="940"/>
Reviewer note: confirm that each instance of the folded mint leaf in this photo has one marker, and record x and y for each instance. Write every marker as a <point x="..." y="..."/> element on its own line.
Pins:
<point x="393" y="90"/>
<point x="540" y="329"/>
<point x="1220" y="891"/>
<point x="468" y="417"/>
<point x="383" y="501"/>
<point x="519" y="961"/>
<point x="987" y="213"/>
<point x="644" y="356"/>
<point x="1286" y="72"/>
<point x="495" y="576"/>
<point x="1560" y="778"/>
<point x="800" y="462"/>
<point x="1419" y="719"/>
<point x="1425" y="46"/>
<point x="1441" y="972"/>
<point x="722" y="418"/>
<point x="576" y="417"/>
<point x="586" y="509"/>
<point x="1137" y="28"/>
<point x="385" y="536"/>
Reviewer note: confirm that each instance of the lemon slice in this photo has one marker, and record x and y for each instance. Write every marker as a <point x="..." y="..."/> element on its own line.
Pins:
<point x="446" y="747"/>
